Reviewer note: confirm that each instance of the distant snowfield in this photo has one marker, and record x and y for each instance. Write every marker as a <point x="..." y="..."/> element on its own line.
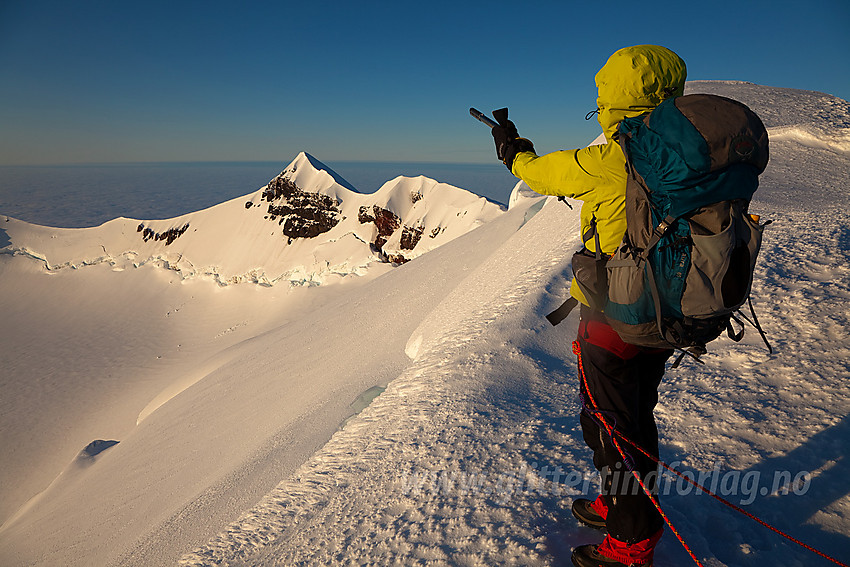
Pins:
<point x="229" y="366"/>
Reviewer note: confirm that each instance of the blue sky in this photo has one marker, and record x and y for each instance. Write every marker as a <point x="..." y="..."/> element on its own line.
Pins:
<point x="104" y="81"/>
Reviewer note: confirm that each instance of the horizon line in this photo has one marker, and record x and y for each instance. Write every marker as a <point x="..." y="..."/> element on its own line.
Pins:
<point x="222" y="162"/>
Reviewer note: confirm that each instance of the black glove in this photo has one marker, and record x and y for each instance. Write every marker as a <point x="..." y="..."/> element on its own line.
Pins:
<point x="506" y="137"/>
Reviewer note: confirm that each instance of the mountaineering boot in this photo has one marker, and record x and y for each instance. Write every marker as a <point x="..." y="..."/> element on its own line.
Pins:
<point x="590" y="513"/>
<point x="615" y="553"/>
<point x="589" y="556"/>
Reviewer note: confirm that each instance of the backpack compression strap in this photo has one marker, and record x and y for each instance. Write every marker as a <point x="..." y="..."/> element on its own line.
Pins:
<point x="657" y="234"/>
<point x="561" y="312"/>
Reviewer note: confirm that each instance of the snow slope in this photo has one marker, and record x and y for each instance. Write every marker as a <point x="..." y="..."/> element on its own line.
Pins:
<point x="453" y="462"/>
<point x="95" y="342"/>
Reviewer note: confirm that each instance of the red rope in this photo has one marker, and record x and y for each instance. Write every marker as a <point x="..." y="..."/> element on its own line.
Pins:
<point x="729" y="504"/>
<point x="611" y="431"/>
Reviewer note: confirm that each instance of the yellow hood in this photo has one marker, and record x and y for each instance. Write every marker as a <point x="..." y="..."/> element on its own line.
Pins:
<point x="635" y="80"/>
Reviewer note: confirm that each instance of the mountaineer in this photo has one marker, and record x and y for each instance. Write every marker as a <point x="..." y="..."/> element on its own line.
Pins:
<point x="621" y="379"/>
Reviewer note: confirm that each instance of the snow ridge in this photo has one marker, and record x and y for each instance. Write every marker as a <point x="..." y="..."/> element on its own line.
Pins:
<point x="492" y="391"/>
<point x="432" y="407"/>
<point x="307" y="227"/>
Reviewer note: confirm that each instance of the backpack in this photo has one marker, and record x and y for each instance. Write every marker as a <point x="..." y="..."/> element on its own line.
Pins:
<point x="685" y="266"/>
<point x="686" y="262"/>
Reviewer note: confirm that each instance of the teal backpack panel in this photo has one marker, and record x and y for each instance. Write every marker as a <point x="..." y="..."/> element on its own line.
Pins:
<point x="694" y="164"/>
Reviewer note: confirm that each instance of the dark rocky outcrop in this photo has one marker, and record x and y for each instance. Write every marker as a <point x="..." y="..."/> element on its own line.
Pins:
<point x="410" y="237"/>
<point x="302" y="214"/>
<point x="395" y="258"/>
<point x="169" y="235"/>
<point x="387" y="222"/>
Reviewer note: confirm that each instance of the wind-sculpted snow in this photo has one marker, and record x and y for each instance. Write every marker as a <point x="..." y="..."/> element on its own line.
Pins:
<point x="442" y="413"/>
<point x="456" y="462"/>
<point x="236" y="407"/>
<point x="814" y="137"/>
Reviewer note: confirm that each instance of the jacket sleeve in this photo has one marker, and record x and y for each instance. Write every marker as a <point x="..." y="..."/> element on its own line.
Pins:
<point x="571" y="173"/>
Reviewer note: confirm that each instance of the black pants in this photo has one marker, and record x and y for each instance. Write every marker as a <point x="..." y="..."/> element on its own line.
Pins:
<point x="624" y="387"/>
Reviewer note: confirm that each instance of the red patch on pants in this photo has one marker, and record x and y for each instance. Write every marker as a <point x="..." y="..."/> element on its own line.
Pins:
<point x="599" y="333"/>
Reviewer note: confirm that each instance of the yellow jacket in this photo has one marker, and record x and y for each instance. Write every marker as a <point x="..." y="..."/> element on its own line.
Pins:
<point x="633" y="81"/>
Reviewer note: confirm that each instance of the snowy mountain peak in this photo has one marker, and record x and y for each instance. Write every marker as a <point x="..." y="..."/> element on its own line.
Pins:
<point x="308" y="226"/>
<point x="307" y="171"/>
<point x="309" y="201"/>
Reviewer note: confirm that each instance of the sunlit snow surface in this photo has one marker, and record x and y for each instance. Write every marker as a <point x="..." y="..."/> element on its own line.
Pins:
<point x="246" y="460"/>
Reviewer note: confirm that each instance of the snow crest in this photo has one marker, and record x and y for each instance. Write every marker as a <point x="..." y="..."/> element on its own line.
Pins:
<point x="367" y="477"/>
<point x="453" y="463"/>
<point x="307" y="227"/>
